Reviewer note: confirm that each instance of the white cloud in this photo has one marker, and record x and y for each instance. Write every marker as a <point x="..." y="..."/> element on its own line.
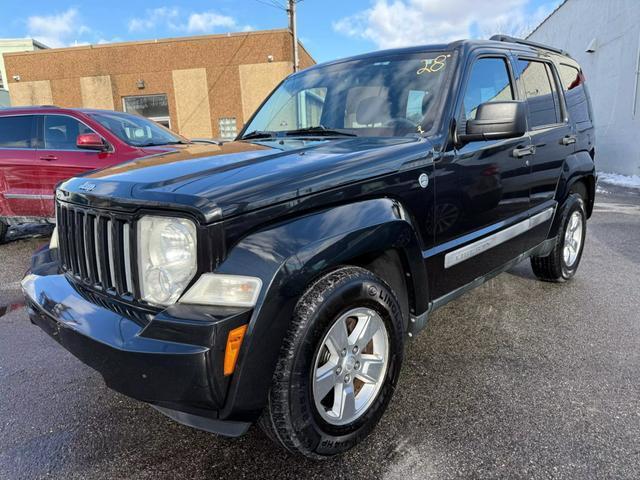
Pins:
<point x="58" y="30"/>
<point x="397" y="23"/>
<point x="208" y="21"/>
<point x="196" y="22"/>
<point x="156" y="17"/>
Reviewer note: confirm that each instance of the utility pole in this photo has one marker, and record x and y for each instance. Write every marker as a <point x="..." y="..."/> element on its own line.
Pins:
<point x="294" y="32"/>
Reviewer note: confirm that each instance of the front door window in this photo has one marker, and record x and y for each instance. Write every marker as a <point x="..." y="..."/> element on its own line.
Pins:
<point x="61" y="132"/>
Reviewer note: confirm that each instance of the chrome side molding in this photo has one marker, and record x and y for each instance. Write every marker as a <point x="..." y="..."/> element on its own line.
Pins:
<point x="484" y="244"/>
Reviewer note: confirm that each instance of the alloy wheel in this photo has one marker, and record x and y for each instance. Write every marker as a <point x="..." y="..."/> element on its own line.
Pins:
<point x="572" y="239"/>
<point x="350" y="366"/>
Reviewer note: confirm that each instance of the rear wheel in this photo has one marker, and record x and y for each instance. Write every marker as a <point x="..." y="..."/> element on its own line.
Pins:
<point x="338" y="365"/>
<point x="563" y="261"/>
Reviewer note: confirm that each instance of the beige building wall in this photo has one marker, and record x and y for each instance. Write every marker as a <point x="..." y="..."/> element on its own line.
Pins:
<point x="37" y="92"/>
<point x="192" y="102"/>
<point x="257" y="81"/>
<point x="97" y="92"/>
<point x="208" y="80"/>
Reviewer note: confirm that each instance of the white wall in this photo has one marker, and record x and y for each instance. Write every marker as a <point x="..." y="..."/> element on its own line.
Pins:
<point x="611" y="72"/>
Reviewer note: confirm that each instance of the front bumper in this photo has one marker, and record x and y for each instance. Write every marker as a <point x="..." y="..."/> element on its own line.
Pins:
<point x="173" y="362"/>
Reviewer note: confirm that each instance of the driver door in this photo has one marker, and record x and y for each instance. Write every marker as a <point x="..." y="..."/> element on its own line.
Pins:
<point x="482" y="187"/>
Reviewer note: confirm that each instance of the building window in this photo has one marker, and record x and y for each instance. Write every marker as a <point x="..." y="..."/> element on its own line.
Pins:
<point x="153" y="107"/>
<point x="228" y="128"/>
<point x="1" y="80"/>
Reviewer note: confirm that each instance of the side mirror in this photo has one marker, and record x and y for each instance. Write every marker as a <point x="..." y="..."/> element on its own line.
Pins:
<point x="496" y="120"/>
<point x="90" y="141"/>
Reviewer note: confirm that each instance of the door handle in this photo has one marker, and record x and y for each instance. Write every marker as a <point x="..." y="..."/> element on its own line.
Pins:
<point x="48" y="158"/>
<point x="523" y="151"/>
<point x="568" y="139"/>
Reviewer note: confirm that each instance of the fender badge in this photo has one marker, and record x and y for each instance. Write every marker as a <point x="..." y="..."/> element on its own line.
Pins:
<point x="87" y="187"/>
<point x="423" y="180"/>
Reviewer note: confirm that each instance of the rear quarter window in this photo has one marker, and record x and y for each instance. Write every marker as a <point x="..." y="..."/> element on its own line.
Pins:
<point x="575" y="94"/>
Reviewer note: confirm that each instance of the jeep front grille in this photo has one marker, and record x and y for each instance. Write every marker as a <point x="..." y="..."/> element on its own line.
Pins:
<point x="96" y="248"/>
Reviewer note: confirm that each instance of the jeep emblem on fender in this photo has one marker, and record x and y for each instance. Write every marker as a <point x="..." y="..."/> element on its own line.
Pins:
<point x="423" y="180"/>
<point x="87" y="187"/>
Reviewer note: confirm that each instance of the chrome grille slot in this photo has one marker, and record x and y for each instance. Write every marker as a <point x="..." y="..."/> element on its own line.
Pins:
<point x="79" y="244"/>
<point x="96" y="248"/>
<point x="110" y="247"/>
<point x="126" y="240"/>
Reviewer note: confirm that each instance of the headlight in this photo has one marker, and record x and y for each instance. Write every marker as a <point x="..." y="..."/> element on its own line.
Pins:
<point x="224" y="290"/>
<point x="166" y="257"/>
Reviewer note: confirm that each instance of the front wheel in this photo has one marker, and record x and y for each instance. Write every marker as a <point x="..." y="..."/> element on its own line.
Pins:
<point x="563" y="261"/>
<point x="338" y="365"/>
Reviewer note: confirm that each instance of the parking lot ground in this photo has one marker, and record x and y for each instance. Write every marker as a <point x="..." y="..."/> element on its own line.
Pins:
<point x="517" y="379"/>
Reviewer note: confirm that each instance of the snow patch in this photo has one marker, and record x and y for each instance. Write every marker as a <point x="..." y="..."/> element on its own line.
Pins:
<point x="630" y="181"/>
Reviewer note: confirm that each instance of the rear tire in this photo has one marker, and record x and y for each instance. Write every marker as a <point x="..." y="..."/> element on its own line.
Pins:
<point x="563" y="261"/>
<point x="4" y="228"/>
<point x="325" y="397"/>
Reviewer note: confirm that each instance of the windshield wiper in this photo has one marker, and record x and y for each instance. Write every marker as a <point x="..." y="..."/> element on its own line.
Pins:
<point x="320" y="130"/>
<point x="257" y="134"/>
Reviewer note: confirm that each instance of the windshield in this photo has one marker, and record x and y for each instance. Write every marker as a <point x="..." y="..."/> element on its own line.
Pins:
<point x="392" y="96"/>
<point x="136" y="130"/>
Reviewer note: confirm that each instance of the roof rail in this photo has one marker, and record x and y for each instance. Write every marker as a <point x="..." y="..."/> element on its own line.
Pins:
<point x="507" y="38"/>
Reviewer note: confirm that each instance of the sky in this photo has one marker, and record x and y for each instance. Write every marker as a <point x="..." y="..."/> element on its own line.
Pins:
<point x="328" y="29"/>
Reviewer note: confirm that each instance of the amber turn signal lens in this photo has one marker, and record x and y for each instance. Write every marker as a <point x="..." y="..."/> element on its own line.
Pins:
<point x="234" y="342"/>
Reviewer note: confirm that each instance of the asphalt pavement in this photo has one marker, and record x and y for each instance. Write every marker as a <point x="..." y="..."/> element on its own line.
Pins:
<point x="517" y="379"/>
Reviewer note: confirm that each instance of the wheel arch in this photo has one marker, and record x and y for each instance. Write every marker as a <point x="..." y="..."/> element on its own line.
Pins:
<point x="578" y="175"/>
<point x="375" y="234"/>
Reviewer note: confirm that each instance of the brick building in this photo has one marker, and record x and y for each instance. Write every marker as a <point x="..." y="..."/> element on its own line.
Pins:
<point x="204" y="86"/>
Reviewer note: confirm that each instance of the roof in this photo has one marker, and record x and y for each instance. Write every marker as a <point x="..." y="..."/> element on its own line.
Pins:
<point x="156" y="41"/>
<point x="54" y="109"/>
<point x="466" y="44"/>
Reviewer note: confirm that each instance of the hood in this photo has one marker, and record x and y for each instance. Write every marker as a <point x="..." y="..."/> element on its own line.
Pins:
<point x="236" y="177"/>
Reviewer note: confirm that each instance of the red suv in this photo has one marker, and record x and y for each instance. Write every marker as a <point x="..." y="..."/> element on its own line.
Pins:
<point x="41" y="146"/>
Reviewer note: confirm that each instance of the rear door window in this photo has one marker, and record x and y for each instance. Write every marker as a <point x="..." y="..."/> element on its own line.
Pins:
<point x="539" y="87"/>
<point x="16" y="131"/>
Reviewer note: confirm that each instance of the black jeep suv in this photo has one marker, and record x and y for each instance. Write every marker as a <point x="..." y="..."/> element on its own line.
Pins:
<point x="278" y="279"/>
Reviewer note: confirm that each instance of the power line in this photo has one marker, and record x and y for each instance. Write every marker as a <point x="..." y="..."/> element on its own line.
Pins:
<point x="273" y="3"/>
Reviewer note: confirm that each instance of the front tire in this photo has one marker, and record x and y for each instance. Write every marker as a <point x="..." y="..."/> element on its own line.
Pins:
<point x="563" y="261"/>
<point x="338" y="365"/>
